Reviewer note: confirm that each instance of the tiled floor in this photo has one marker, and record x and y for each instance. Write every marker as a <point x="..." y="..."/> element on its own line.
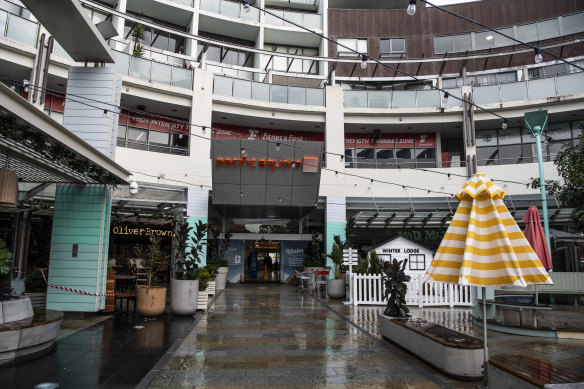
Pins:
<point x="261" y="336"/>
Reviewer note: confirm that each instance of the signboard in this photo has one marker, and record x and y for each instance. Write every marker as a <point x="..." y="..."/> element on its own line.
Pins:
<point x="234" y="255"/>
<point x="400" y="248"/>
<point x="257" y="172"/>
<point x="292" y="258"/>
<point x="253" y="265"/>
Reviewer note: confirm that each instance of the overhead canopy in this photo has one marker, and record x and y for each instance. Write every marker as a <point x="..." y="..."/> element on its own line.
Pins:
<point x="35" y="146"/>
<point x="68" y="23"/>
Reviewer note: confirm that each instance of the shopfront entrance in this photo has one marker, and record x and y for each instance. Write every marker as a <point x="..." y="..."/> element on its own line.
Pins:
<point x="262" y="261"/>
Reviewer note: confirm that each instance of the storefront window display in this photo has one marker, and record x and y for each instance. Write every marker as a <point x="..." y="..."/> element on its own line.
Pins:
<point x="515" y="145"/>
<point x="390" y="151"/>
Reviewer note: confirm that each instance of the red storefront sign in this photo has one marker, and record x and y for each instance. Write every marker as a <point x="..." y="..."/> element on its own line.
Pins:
<point x="349" y="141"/>
<point x="315" y="136"/>
<point x="364" y="141"/>
<point x="145" y="121"/>
<point x="404" y="141"/>
<point x="385" y="141"/>
<point x="223" y="131"/>
<point x="425" y="140"/>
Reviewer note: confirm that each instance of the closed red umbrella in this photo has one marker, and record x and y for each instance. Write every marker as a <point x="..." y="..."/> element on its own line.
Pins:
<point x="536" y="237"/>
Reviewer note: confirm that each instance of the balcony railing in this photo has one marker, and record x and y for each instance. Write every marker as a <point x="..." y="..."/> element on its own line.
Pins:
<point x="17" y="28"/>
<point x="230" y="9"/>
<point x="401" y="99"/>
<point x="308" y="20"/>
<point x="246" y="89"/>
<point x="150" y="70"/>
<point x="542" y="88"/>
<point x="528" y="90"/>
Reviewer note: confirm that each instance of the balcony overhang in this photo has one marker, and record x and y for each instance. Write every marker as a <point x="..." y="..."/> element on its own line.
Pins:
<point x="68" y="23"/>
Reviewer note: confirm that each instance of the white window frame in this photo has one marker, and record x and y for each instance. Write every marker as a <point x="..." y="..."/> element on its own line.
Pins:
<point x="392" y="52"/>
<point x="358" y="44"/>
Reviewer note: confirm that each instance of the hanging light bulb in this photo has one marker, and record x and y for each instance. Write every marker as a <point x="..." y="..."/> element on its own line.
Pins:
<point x="203" y="130"/>
<point x="278" y="146"/>
<point x="445" y="97"/>
<point x="240" y="194"/>
<point x="538" y="56"/>
<point x="246" y="6"/>
<point x="280" y="199"/>
<point x="505" y="124"/>
<point x="133" y="187"/>
<point x="242" y="150"/>
<point x="411" y="8"/>
<point x="180" y="136"/>
<point x="364" y="58"/>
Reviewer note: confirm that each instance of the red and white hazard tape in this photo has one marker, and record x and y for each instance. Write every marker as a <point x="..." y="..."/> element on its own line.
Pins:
<point x="75" y="290"/>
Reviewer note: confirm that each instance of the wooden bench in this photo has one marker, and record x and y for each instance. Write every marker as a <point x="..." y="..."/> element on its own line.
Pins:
<point x="454" y="353"/>
<point x="520" y="371"/>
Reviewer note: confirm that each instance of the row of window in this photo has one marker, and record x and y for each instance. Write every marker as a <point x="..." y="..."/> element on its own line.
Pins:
<point x="515" y="145"/>
<point x="387" y="47"/>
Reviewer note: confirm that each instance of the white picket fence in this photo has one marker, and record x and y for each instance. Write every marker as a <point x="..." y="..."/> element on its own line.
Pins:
<point x="368" y="290"/>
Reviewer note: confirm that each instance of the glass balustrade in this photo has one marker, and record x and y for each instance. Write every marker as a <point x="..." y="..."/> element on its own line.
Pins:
<point x="147" y="69"/>
<point x="17" y="28"/>
<point x="245" y="89"/>
<point x="308" y="20"/>
<point x="230" y="9"/>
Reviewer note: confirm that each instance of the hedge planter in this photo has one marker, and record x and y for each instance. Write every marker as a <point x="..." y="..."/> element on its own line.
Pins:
<point x="221" y="278"/>
<point x="336" y="288"/>
<point x="452" y="352"/>
<point x="150" y="301"/>
<point x="184" y="296"/>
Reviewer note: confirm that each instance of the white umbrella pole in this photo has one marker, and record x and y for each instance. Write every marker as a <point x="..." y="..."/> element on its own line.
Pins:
<point x="486" y="349"/>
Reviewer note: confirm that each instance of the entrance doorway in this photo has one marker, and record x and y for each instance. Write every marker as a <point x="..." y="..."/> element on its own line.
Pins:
<point x="262" y="261"/>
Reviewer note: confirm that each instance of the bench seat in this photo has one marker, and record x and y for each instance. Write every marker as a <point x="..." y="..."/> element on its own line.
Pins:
<point x="520" y="371"/>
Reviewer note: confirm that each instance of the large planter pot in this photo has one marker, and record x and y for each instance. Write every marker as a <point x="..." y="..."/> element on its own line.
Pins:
<point x="183" y="296"/>
<point x="150" y="300"/>
<point x="336" y="288"/>
<point x="221" y="278"/>
<point x="38" y="300"/>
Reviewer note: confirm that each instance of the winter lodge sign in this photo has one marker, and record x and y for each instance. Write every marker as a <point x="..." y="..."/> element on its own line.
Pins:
<point x="400" y="248"/>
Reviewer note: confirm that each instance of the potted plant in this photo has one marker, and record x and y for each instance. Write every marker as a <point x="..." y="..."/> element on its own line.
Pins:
<point x="313" y="251"/>
<point x="138" y="33"/>
<point x="151" y="298"/>
<point x="36" y="288"/>
<point x="336" y="288"/>
<point x="204" y="278"/>
<point x="184" y="287"/>
<point x="217" y="255"/>
<point x="396" y="288"/>
<point x="6" y="290"/>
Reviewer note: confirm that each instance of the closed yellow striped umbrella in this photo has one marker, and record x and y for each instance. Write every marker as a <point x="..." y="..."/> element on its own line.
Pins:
<point x="483" y="245"/>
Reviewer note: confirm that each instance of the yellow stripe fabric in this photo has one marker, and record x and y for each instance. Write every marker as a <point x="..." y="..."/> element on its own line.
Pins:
<point x="483" y="245"/>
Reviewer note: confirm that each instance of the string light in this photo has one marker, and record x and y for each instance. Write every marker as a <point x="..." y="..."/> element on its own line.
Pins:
<point x="411" y="8"/>
<point x="246" y="6"/>
<point x="364" y="58"/>
<point x="504" y="125"/>
<point x="242" y="150"/>
<point x="203" y="130"/>
<point x="538" y="56"/>
<point x="278" y="146"/>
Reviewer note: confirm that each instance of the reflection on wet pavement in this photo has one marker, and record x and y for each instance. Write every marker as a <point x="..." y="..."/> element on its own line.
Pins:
<point x="275" y="336"/>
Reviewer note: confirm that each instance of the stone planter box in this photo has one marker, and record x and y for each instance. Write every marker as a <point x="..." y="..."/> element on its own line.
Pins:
<point x="211" y="288"/>
<point x="203" y="300"/>
<point x="38" y="300"/>
<point x="452" y="352"/>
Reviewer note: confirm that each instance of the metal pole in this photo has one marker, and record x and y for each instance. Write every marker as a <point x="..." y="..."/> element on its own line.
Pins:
<point x="485" y="347"/>
<point x="546" y="227"/>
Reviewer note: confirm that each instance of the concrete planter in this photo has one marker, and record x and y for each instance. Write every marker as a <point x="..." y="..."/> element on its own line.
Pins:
<point x="184" y="296"/>
<point x="15" y="309"/>
<point x="211" y="288"/>
<point x="221" y="278"/>
<point x="459" y="362"/>
<point x="150" y="300"/>
<point x="336" y="288"/>
<point x="38" y="300"/>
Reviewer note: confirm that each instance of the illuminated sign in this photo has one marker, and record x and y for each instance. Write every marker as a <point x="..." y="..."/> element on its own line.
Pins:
<point x="309" y="164"/>
<point x="125" y="230"/>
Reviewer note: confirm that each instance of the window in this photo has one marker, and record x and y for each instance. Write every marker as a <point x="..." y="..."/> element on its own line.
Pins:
<point x="392" y="46"/>
<point x="359" y="45"/>
<point x="417" y="262"/>
<point x="286" y="64"/>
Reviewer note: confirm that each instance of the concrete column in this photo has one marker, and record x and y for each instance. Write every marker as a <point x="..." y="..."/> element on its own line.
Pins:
<point x="322" y="10"/>
<point x="119" y="23"/>
<point x="191" y="44"/>
<point x="335" y="128"/>
<point x="201" y="110"/>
